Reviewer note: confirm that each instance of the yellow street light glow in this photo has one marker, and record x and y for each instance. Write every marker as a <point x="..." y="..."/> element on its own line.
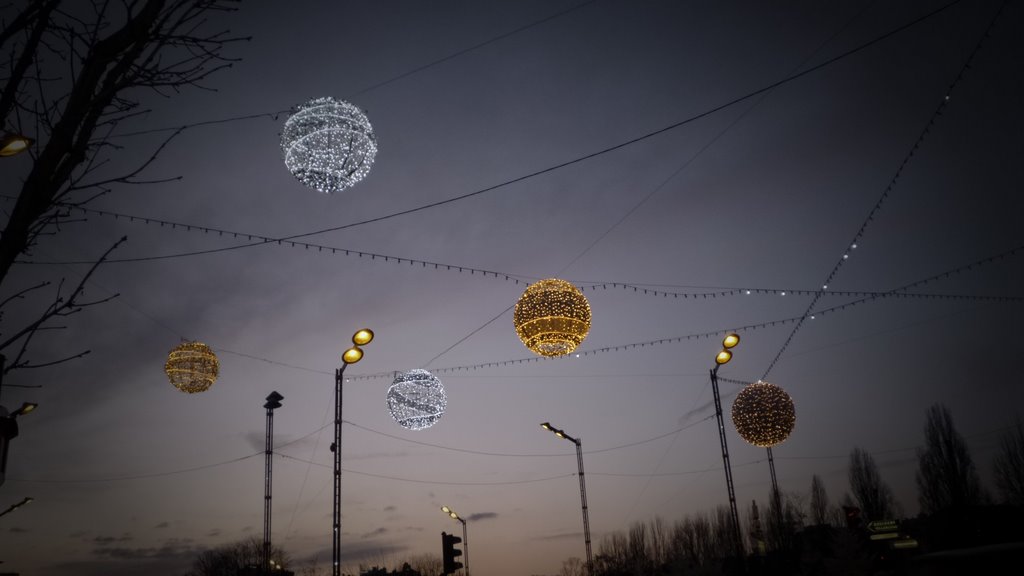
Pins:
<point x="731" y="340"/>
<point x="446" y="509"/>
<point x="454" y="516"/>
<point x="362" y="337"/>
<point x="560" y="434"/>
<point x="723" y="357"/>
<point x="352" y="355"/>
<point x="26" y="407"/>
<point x="11" y="144"/>
<point x="546" y="426"/>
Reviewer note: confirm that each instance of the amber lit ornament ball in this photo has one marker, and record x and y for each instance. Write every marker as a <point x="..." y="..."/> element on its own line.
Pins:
<point x="192" y="367"/>
<point x="552" y="317"/>
<point x="763" y="414"/>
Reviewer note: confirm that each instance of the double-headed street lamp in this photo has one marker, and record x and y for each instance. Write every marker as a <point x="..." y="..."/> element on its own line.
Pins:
<point x="723" y="357"/>
<point x="465" y="536"/>
<point x="583" y="490"/>
<point x="350" y="356"/>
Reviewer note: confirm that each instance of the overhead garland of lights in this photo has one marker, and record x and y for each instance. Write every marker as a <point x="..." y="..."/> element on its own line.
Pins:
<point x="552" y="317"/>
<point x="763" y="414"/>
<point x="192" y="367"/>
<point x="584" y="286"/>
<point x="328" y="144"/>
<point x="416" y="399"/>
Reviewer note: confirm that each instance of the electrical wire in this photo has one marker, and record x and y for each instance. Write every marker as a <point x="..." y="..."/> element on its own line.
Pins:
<point x="852" y="245"/>
<point x="274" y="115"/>
<point x="584" y="157"/>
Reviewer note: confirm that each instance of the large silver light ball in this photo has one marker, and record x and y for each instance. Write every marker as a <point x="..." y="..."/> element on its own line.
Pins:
<point x="328" y="144"/>
<point x="417" y="400"/>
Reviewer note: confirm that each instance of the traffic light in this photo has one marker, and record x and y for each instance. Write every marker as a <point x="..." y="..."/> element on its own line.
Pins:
<point x="852" y="516"/>
<point x="449" y="552"/>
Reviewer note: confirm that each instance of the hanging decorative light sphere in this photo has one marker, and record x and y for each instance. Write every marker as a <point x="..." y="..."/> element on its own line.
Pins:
<point x="417" y="400"/>
<point x="192" y="367"/>
<point x="763" y="414"/>
<point x="328" y="144"/>
<point x="552" y="317"/>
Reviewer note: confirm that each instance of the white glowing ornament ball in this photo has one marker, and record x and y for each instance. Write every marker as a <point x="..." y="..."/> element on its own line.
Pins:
<point x="328" y="144"/>
<point x="417" y="400"/>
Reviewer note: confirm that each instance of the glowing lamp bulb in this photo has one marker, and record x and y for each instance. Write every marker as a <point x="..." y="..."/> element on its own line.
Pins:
<point x="731" y="340"/>
<point x="723" y="357"/>
<point x="362" y="337"/>
<point x="352" y="355"/>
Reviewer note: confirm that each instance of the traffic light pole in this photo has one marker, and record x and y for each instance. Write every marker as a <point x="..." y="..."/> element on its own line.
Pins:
<point x="448" y="552"/>
<point x="465" y="545"/>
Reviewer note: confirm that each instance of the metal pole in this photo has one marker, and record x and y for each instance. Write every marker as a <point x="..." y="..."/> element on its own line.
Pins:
<point x="583" y="501"/>
<point x="273" y="401"/>
<point x="336" y="448"/>
<point x="267" y="487"/>
<point x="775" y="493"/>
<point x="728" y="467"/>
<point x="465" y="545"/>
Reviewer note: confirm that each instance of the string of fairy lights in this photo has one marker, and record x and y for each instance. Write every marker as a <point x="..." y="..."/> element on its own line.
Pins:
<point x="637" y="288"/>
<point x="940" y="107"/>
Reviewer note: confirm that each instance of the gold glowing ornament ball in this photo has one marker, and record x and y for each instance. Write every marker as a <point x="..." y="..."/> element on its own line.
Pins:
<point x="763" y="414"/>
<point x="192" y="367"/>
<point x="552" y="317"/>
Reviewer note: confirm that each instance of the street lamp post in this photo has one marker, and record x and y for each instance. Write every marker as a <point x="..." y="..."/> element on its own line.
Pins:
<point x="273" y="401"/>
<point x="583" y="489"/>
<point x="9" y="424"/>
<point x="350" y="356"/>
<point x="721" y="358"/>
<point x="465" y="536"/>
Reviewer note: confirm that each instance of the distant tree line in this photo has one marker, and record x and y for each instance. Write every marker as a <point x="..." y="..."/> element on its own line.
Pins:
<point x="806" y="535"/>
<point x="823" y="538"/>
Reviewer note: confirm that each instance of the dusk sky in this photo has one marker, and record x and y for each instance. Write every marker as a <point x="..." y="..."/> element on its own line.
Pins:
<point x="894" y="164"/>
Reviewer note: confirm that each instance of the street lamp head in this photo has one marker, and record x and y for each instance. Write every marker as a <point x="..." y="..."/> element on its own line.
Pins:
<point x="453" y="515"/>
<point x="11" y="144"/>
<point x="546" y="425"/>
<point x="352" y="355"/>
<point x="446" y="509"/>
<point x="723" y="357"/>
<point x="560" y="434"/>
<point x="731" y="340"/>
<point x="25" y="409"/>
<point x="273" y="400"/>
<point x="362" y="337"/>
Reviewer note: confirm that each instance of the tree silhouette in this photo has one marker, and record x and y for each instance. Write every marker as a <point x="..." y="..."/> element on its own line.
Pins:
<point x="946" y="476"/>
<point x="820" y="512"/>
<point x="1008" y="465"/>
<point x="230" y="559"/>
<point x="872" y="494"/>
<point x="74" y="75"/>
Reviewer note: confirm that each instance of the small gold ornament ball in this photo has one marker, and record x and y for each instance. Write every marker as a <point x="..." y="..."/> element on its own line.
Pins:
<point x="552" y="317"/>
<point x="763" y="414"/>
<point x="192" y="367"/>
